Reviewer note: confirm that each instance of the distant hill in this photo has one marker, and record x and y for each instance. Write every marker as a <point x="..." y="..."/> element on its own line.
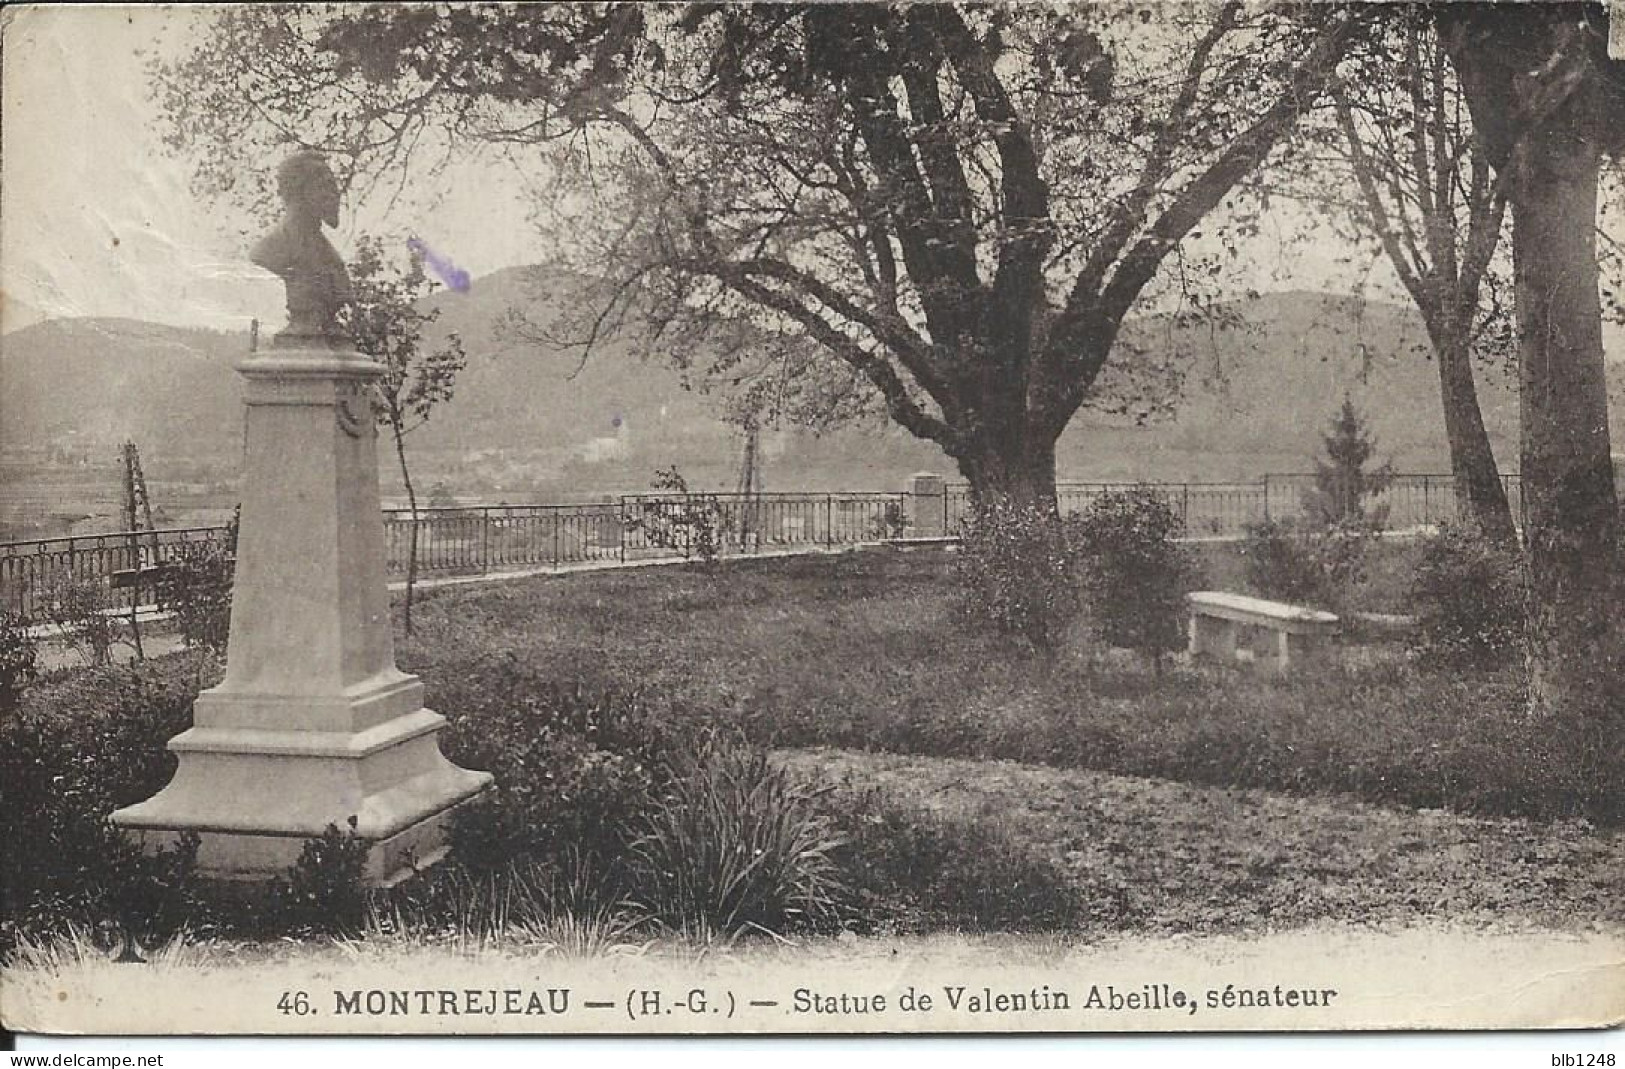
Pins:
<point x="88" y="384"/>
<point x="528" y="421"/>
<point x="1257" y="396"/>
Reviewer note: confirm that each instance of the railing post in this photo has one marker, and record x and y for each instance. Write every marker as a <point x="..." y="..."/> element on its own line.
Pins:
<point x="1266" y="497"/>
<point x="620" y="530"/>
<point x="485" y="540"/>
<point x="829" y="519"/>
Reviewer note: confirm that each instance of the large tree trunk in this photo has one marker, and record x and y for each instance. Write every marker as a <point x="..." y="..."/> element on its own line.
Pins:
<point x="1479" y="492"/>
<point x="1569" y="494"/>
<point x="1011" y="470"/>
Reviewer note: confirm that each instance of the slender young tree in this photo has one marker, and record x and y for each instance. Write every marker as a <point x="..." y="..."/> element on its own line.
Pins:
<point x="386" y="319"/>
<point x="958" y="204"/>
<point x="1426" y="190"/>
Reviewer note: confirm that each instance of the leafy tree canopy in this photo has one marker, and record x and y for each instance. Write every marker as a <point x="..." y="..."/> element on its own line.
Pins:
<point x="954" y="206"/>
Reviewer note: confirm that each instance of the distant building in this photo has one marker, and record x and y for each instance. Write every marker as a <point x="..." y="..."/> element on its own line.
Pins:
<point x="614" y="447"/>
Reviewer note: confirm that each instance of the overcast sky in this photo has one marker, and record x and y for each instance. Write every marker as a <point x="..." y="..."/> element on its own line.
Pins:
<point x="98" y="221"/>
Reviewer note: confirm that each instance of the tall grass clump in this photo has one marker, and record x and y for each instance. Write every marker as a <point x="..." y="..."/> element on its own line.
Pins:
<point x="734" y="845"/>
<point x="569" y="905"/>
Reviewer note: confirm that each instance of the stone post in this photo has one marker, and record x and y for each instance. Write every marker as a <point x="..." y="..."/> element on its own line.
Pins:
<point x="928" y="500"/>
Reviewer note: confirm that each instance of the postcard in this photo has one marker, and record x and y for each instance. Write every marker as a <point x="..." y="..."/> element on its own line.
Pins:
<point x="861" y="518"/>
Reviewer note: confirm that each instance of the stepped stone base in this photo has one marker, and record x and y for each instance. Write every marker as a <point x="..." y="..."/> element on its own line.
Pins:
<point x="255" y="796"/>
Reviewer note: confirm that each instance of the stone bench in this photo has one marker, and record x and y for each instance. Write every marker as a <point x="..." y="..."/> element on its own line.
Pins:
<point x="1270" y="634"/>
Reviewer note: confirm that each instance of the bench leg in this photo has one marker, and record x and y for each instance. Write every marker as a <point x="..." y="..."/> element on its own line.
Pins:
<point x="1212" y="637"/>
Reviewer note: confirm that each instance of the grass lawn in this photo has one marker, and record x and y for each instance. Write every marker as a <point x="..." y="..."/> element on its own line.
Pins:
<point x="867" y="651"/>
<point x="977" y="787"/>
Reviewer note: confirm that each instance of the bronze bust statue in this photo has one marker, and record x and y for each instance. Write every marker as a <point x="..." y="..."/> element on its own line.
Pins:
<point x="299" y="253"/>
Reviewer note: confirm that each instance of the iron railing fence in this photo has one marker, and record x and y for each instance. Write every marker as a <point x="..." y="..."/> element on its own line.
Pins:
<point x="485" y="538"/>
<point x="469" y="540"/>
<point x="476" y="539"/>
<point x="32" y="572"/>
<point x="1407" y="500"/>
<point x="1217" y="508"/>
<point x="689" y="525"/>
<point x="1227" y="509"/>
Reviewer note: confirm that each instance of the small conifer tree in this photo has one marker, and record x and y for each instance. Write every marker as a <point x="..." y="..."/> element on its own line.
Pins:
<point x="1344" y="484"/>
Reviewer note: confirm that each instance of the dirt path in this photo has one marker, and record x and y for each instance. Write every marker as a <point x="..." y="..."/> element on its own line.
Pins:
<point x="1175" y="858"/>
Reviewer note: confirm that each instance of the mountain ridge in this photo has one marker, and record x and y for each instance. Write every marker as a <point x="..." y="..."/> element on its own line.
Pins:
<point x="528" y="420"/>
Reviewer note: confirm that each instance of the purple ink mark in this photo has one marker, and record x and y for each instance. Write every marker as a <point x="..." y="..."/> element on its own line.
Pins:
<point x="453" y="276"/>
<point x="615" y="421"/>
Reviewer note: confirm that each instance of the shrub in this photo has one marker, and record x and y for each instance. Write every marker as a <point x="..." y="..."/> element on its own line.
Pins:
<point x="915" y="870"/>
<point x="155" y="896"/>
<point x="195" y="589"/>
<point x="1134" y="572"/>
<point x="1313" y="566"/>
<point x="1278" y="565"/>
<point x="72" y="754"/>
<point x="82" y="610"/>
<point x="574" y="766"/>
<point x="735" y="844"/>
<point x="19" y="659"/>
<point x="682" y="521"/>
<point x="324" y="891"/>
<point x="1469" y="595"/>
<point x="1017" y="575"/>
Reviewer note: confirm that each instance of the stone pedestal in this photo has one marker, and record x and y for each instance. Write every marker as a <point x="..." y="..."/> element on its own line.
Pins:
<point x="928" y="505"/>
<point x="313" y="723"/>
